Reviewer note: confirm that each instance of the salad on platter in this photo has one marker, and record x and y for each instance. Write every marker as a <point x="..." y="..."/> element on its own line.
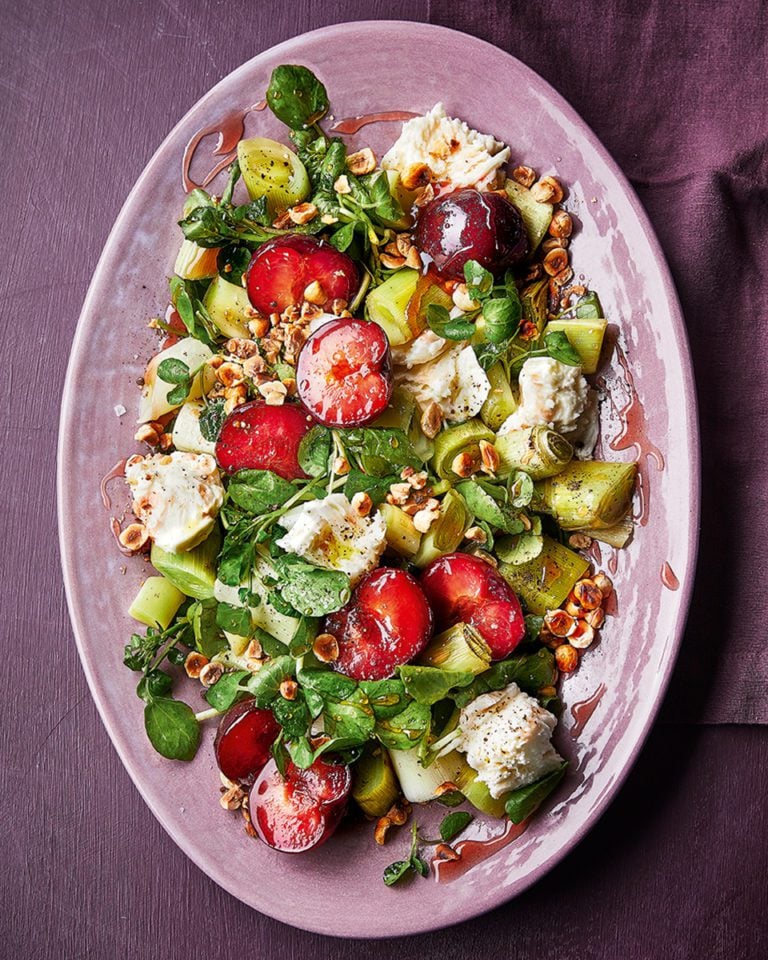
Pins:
<point x="368" y="486"/>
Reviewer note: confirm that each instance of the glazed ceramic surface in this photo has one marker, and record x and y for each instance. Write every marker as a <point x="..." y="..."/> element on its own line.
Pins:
<point x="649" y="415"/>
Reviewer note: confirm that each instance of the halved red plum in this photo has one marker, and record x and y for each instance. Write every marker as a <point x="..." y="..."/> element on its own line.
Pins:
<point x="243" y="741"/>
<point x="386" y="622"/>
<point x="301" y="811"/>
<point x="256" y="436"/>
<point x="464" y="589"/>
<point x="344" y="373"/>
<point x="282" y="269"/>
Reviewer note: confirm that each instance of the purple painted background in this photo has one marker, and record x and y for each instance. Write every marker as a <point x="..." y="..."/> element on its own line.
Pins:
<point x="678" y="94"/>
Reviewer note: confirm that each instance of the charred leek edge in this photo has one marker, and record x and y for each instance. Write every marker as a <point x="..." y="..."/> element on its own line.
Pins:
<point x="375" y="786"/>
<point x="194" y="262"/>
<point x="194" y="571"/>
<point x="588" y="493"/>
<point x="464" y="438"/>
<point x="447" y="532"/>
<point x="229" y="307"/>
<point x="459" y="648"/>
<point x="428" y="291"/>
<point x="539" y="451"/>
<point x="534" y="299"/>
<point x="545" y="582"/>
<point x="387" y="305"/>
<point x="617" y="536"/>
<point x="402" y="535"/>
<point x="501" y="401"/>
<point x="586" y="338"/>
<point x="156" y="602"/>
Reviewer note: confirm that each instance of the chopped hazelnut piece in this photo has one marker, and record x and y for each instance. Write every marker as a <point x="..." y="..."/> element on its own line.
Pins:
<point x="547" y="190"/>
<point x="361" y="162"/>
<point x="525" y="176"/>
<point x="566" y="658"/>
<point x="326" y="648"/>
<point x="133" y="537"/>
<point x="210" y="673"/>
<point x="303" y="213"/>
<point x="289" y="689"/>
<point x="561" y="224"/>
<point x="194" y="664"/>
<point x="556" y="261"/>
<point x="431" y="420"/>
<point x="362" y="503"/>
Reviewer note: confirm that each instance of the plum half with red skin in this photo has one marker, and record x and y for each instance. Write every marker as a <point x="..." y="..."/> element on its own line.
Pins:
<point x="300" y="811"/>
<point x="464" y="589"/>
<point x="344" y="373"/>
<point x="243" y="741"/>
<point x="386" y="622"/>
<point x="470" y="225"/>
<point x="281" y="270"/>
<point x="256" y="436"/>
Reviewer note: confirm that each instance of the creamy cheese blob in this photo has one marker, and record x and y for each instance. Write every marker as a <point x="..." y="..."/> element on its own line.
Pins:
<point x="552" y="394"/>
<point x="177" y="497"/>
<point x="331" y="534"/>
<point x="427" y="346"/>
<point x="455" y="381"/>
<point x="453" y="151"/>
<point x="506" y="737"/>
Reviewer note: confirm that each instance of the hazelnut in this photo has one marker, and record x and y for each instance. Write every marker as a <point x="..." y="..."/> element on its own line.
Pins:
<point x="289" y="689"/>
<point x="489" y="456"/>
<point x="525" y="176"/>
<point x="547" y="190"/>
<point x="302" y="213"/>
<point x="399" y="812"/>
<point x="314" y="293"/>
<point x="361" y="162"/>
<point x="233" y="798"/>
<point x="476" y="535"/>
<point x="603" y="584"/>
<point x="596" y="618"/>
<point x="391" y="262"/>
<point x="194" y="664"/>
<point x="210" y="673"/>
<point x="341" y="466"/>
<point x="463" y="465"/>
<point x="588" y="594"/>
<point x="566" y="658"/>
<point x="362" y="503"/>
<point x="403" y="244"/>
<point x="556" y="261"/>
<point x="561" y="224"/>
<point x="342" y="184"/>
<point x="560" y="623"/>
<point x="580" y="541"/>
<point x="326" y="648"/>
<point x="149" y="433"/>
<point x="431" y="420"/>
<point x="423" y="519"/>
<point x="258" y="327"/>
<point x="230" y="374"/>
<point x="445" y="852"/>
<point x="133" y="537"/>
<point x="582" y="636"/>
<point x="381" y="830"/>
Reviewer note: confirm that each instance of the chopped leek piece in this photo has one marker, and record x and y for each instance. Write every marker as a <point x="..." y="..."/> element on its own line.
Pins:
<point x="534" y="300"/>
<point x="156" y="602"/>
<point x="545" y="582"/>
<point x="586" y="338"/>
<point x="375" y="786"/>
<point x="447" y="532"/>
<point x="194" y="262"/>
<point x="387" y="305"/>
<point x="501" y="401"/>
<point x="617" y="536"/>
<point x="459" y="648"/>
<point x="463" y="438"/>
<point x="589" y="493"/>
<point x="229" y="307"/>
<point x="536" y="216"/>
<point x="399" y="413"/>
<point x="478" y="793"/>
<point x="402" y="535"/>
<point x="539" y="451"/>
<point x="421" y="783"/>
<point x="193" y="571"/>
<point x="273" y="171"/>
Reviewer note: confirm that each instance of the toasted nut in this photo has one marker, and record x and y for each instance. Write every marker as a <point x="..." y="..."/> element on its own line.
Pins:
<point x="258" y="327"/>
<point x="342" y="184"/>
<point x="566" y="658"/>
<point x="314" y="293"/>
<point x="413" y="260"/>
<point x="133" y="537"/>
<point x="166" y="441"/>
<point x="403" y="243"/>
<point x="381" y="830"/>
<point x="431" y="420"/>
<point x="603" y="584"/>
<point x="194" y="664"/>
<point x="274" y="392"/>
<point x="448" y="786"/>
<point x="400" y="492"/>
<point x="338" y="306"/>
<point x="580" y="541"/>
<point x="416" y="176"/>
<point x="230" y="374"/>
<point x="485" y="556"/>
<point x="464" y="465"/>
<point x="226" y="782"/>
<point x="233" y="798"/>
<point x="399" y="812"/>
<point x="361" y="162"/>
<point x="241" y="348"/>
<point x="411" y="509"/>
<point x="556" y="261"/>
<point x="210" y="673"/>
<point x="560" y="623"/>
<point x="524" y="175"/>
<point x="326" y="647"/>
<point x="489" y="456"/>
<point x="303" y="213"/>
<point x="573" y="609"/>
<point x="423" y="519"/>
<point x="547" y="190"/>
<point x="341" y="466"/>
<point x="554" y="243"/>
<point x="254" y="650"/>
<point x="476" y="535"/>
<point x="149" y="433"/>
<point x="283" y="221"/>
<point x="462" y="299"/>
<point x="418" y="479"/>
<point x="329" y="218"/>
<point x="309" y="311"/>
<point x="445" y="852"/>
<point x="582" y="636"/>
<point x="561" y="224"/>
<point x="596" y="618"/>
<point x="391" y="262"/>
<point x="362" y="503"/>
<point x="289" y="689"/>
<point x="588" y="594"/>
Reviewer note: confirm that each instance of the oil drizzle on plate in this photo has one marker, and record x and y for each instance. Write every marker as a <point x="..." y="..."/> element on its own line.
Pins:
<point x="668" y="577"/>
<point x="229" y="131"/>
<point x="117" y="471"/>
<point x="473" y="852"/>
<point x="583" y="710"/>
<point x="353" y="124"/>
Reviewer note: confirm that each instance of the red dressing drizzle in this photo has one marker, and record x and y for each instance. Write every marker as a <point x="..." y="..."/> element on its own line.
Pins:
<point x="229" y="131"/>
<point x="473" y="852"/>
<point x="583" y="710"/>
<point x="668" y="577"/>
<point x="117" y="471"/>
<point x="353" y="124"/>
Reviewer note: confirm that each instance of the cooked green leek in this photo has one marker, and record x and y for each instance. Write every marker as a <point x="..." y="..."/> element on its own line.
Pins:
<point x="229" y="307"/>
<point x="534" y="300"/>
<point x="539" y="451"/>
<point x="589" y="493"/>
<point x="617" y="536"/>
<point x="447" y="532"/>
<point x="399" y="413"/>
<point x="420" y="784"/>
<point x="545" y="582"/>
<point x="478" y="793"/>
<point x="402" y="535"/>
<point x="586" y="338"/>
<point x="464" y="438"/>
<point x="194" y="262"/>
<point x="459" y="648"/>
<point x="387" y="305"/>
<point x="192" y="571"/>
<point x="501" y="401"/>
<point x="375" y="786"/>
<point x="427" y="293"/>
<point x="536" y="216"/>
<point x="156" y="602"/>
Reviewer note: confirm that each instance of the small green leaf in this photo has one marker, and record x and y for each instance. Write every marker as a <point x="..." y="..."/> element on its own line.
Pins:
<point x="559" y="348"/>
<point x="441" y="323"/>
<point x="343" y="237"/>
<point x="227" y="690"/>
<point x="155" y="683"/>
<point x="502" y="318"/>
<point x="520" y="549"/>
<point x="520" y="488"/>
<point x="524" y="801"/>
<point x="315" y="451"/>
<point x="454" y="798"/>
<point x="172" y="728"/>
<point x="296" y="96"/>
<point x="429" y="684"/>
<point x="479" y="280"/>
<point x="173" y="371"/>
<point x="178" y="395"/>
<point x="396" y="871"/>
<point x="420" y="866"/>
<point x="259" y="491"/>
<point x="234" y="619"/>
<point x="312" y="591"/>
<point x="377" y="488"/>
<point x="265" y="685"/>
<point x="406" y="729"/>
<point x="211" y="419"/>
<point x="452" y="825"/>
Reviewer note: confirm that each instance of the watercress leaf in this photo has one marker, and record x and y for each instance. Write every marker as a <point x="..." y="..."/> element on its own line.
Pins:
<point x="269" y="644"/>
<point x="420" y="866"/>
<point x="303" y="638"/>
<point x="178" y="395"/>
<point x="314" y="701"/>
<point x="502" y="317"/>
<point x="406" y="729"/>
<point x="173" y="371"/>
<point x="301" y="752"/>
<point x="234" y="619"/>
<point x="155" y="683"/>
<point x="377" y="488"/>
<point x="172" y="728"/>
<point x="381" y="449"/>
<point x="524" y="801"/>
<point x="211" y="419"/>
<point x="343" y="237"/>
<point x="315" y="451"/>
<point x="427" y="685"/>
<point x="234" y="176"/>
<point x="209" y="639"/>
<point x="312" y="591"/>
<point x="350" y="720"/>
<point x="479" y="280"/>
<point x="488" y="353"/>
<point x="296" y="96"/>
<point x="533" y="625"/>
<point x="232" y="262"/>
<point x="520" y="549"/>
<point x="396" y="871"/>
<point x="227" y="690"/>
<point x="292" y="715"/>
<point x="265" y="685"/>
<point x="452" y="824"/>
<point x="327" y="683"/>
<point x="441" y="323"/>
<point x="486" y="507"/>
<point x="530" y="672"/>
<point x="437" y="315"/>
<point x="589" y="307"/>
<point x="259" y="491"/>
<point x="255" y="213"/>
<point x="454" y="798"/>
<point x="559" y="348"/>
<point x="280" y="754"/>
<point x="381" y="205"/>
<point x="237" y="554"/>
<point x="520" y="487"/>
<point x="275" y="599"/>
<point x="387" y="698"/>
